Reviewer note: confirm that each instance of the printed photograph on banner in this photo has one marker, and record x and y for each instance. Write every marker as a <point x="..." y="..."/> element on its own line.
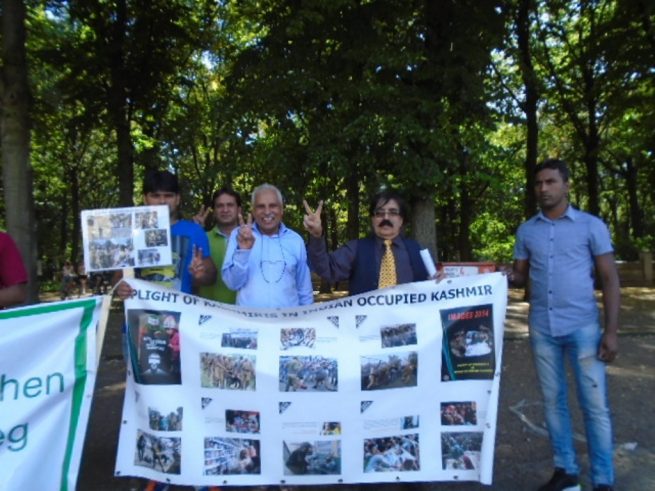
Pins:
<point x="459" y="414"/>
<point x="165" y="420"/>
<point x="301" y="430"/>
<point x="387" y="425"/>
<point x="461" y="451"/>
<point x="398" y="335"/>
<point x="308" y="374"/>
<point x="148" y="257"/>
<point x="409" y="422"/>
<point x="231" y="456"/>
<point x="331" y="428"/>
<point x="146" y="218"/>
<point x="391" y="371"/>
<point x="116" y="238"/>
<point x="299" y="337"/>
<point x="154" y="343"/>
<point x="239" y="338"/>
<point x="158" y="453"/>
<point x="231" y="372"/>
<point x="398" y="453"/>
<point x="241" y="421"/>
<point x="110" y="240"/>
<point x="468" y="350"/>
<point x="156" y="238"/>
<point x="312" y="458"/>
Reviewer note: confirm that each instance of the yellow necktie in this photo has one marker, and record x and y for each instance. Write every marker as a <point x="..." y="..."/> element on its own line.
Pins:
<point x="387" y="267"/>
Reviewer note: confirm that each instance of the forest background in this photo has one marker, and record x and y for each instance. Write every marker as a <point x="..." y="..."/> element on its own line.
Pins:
<point x="453" y="102"/>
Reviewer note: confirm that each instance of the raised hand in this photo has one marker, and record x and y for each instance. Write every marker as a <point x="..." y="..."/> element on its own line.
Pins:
<point x="245" y="237"/>
<point x="197" y="265"/>
<point x="201" y="217"/>
<point x="312" y="219"/>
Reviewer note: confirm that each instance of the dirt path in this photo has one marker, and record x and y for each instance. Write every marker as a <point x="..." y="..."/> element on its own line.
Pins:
<point x="522" y="459"/>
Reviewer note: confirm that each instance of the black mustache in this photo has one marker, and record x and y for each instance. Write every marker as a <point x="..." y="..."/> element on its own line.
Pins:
<point x="386" y="223"/>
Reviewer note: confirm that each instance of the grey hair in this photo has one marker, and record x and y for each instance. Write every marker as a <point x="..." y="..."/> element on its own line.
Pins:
<point x="266" y="187"/>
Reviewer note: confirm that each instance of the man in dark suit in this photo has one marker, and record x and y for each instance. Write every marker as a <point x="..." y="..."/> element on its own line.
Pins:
<point x="385" y="258"/>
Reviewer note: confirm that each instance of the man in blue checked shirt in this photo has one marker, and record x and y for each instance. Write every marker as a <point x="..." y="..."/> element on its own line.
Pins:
<point x="558" y="250"/>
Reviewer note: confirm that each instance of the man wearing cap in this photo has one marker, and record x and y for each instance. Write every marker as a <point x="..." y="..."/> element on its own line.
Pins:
<point x="192" y="265"/>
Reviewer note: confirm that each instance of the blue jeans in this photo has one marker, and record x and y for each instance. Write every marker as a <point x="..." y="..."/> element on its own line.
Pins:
<point x="550" y="355"/>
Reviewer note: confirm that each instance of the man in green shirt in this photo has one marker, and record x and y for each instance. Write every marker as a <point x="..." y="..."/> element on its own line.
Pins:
<point x="226" y="211"/>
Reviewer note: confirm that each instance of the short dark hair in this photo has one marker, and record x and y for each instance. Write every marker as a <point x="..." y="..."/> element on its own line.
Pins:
<point x="383" y="197"/>
<point x="160" y="180"/>
<point x="554" y="164"/>
<point x="230" y="192"/>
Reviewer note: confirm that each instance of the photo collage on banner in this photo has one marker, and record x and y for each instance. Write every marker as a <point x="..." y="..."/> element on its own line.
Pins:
<point x="468" y="353"/>
<point x="118" y="238"/>
<point x="304" y="396"/>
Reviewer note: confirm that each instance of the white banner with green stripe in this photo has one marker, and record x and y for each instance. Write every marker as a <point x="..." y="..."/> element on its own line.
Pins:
<point x="48" y="364"/>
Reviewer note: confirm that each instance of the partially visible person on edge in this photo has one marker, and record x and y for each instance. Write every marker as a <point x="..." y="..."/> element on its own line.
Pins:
<point x="13" y="275"/>
<point x="226" y="205"/>
<point x="266" y="262"/>
<point x="83" y="277"/>
<point x="384" y="258"/>
<point x="192" y="265"/>
<point x="558" y="250"/>
<point x="68" y="279"/>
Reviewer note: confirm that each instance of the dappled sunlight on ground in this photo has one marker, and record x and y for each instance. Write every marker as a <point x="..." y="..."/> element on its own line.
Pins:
<point x="642" y="371"/>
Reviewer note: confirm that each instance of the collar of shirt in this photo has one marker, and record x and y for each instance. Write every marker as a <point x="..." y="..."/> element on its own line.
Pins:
<point x="570" y="213"/>
<point x="397" y="241"/>
<point x="217" y="231"/>
<point x="281" y="231"/>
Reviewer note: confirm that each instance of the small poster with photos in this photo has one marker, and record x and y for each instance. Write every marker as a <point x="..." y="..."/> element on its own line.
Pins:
<point x="118" y="238"/>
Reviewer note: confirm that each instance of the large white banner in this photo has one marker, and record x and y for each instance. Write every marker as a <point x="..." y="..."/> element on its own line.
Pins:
<point x="394" y="385"/>
<point x="47" y="373"/>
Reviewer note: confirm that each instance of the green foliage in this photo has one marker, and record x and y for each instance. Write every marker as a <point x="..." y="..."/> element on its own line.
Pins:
<point x="332" y="100"/>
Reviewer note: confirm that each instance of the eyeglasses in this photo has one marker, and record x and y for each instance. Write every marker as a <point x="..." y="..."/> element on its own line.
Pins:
<point x="380" y="213"/>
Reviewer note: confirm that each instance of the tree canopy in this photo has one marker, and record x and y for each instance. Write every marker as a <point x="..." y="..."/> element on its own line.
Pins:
<point x="451" y="102"/>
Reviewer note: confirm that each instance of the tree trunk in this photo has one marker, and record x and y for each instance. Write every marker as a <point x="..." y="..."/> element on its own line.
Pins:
<point x="465" y="212"/>
<point x="326" y="220"/>
<point x="592" y="147"/>
<point x="74" y="185"/>
<point x="119" y="108"/>
<point x="636" y="213"/>
<point x="531" y="99"/>
<point x="423" y="224"/>
<point x="352" y="196"/>
<point x="15" y="140"/>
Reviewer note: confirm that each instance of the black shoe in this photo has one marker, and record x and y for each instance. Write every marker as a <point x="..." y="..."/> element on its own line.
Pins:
<point x="603" y="487"/>
<point x="561" y="481"/>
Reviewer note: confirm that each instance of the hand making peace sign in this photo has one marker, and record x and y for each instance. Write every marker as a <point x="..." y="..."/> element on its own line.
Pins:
<point x="201" y="217"/>
<point x="312" y="219"/>
<point x="245" y="237"/>
<point x="197" y="265"/>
